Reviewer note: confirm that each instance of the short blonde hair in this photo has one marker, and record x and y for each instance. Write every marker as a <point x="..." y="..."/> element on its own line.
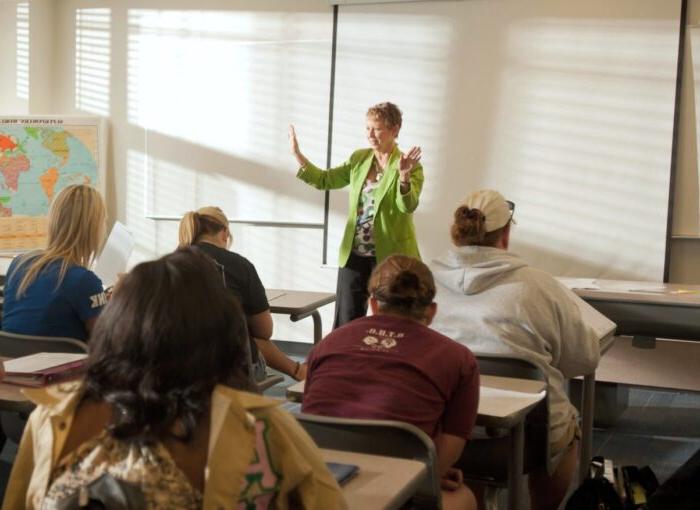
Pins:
<point x="389" y="113"/>
<point x="202" y="222"/>
<point x="77" y="222"/>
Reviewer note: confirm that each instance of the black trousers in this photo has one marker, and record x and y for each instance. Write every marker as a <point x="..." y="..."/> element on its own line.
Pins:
<point x="351" y="290"/>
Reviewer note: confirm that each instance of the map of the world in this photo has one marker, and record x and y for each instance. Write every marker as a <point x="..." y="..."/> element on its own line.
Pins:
<point x="38" y="158"/>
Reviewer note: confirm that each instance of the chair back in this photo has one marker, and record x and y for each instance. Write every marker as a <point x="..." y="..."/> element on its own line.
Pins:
<point x="14" y="345"/>
<point x="485" y="459"/>
<point x="380" y="437"/>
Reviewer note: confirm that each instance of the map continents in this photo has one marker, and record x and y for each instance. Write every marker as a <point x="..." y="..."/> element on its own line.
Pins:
<point x="38" y="158"/>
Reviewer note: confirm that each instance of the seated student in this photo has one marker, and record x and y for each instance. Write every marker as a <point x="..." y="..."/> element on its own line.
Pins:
<point x="208" y="229"/>
<point x="392" y="366"/>
<point x="492" y="301"/>
<point x="52" y="292"/>
<point x="158" y="414"/>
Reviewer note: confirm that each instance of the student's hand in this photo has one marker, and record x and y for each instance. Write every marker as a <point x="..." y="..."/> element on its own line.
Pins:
<point x="109" y="292"/>
<point x="452" y="480"/>
<point x="301" y="374"/>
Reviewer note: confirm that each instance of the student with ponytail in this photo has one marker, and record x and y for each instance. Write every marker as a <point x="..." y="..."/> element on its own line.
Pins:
<point x="207" y="229"/>
<point x="491" y="300"/>
<point x="392" y="366"/>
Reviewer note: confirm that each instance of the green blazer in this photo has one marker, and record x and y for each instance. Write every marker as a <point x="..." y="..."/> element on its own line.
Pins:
<point x="393" y="218"/>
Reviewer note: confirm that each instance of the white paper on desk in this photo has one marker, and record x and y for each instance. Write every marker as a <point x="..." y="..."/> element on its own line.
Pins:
<point x="115" y="255"/>
<point x="579" y="283"/>
<point x="273" y="294"/>
<point x="41" y="361"/>
<point x="599" y="322"/>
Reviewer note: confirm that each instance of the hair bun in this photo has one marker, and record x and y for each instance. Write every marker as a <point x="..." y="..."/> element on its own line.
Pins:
<point x="405" y="282"/>
<point x="465" y="213"/>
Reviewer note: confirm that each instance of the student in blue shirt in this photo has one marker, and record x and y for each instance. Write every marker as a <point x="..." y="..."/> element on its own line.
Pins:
<point x="52" y="292"/>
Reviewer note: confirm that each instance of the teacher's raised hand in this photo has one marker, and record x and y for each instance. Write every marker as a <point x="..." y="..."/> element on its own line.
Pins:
<point x="294" y="147"/>
<point x="407" y="163"/>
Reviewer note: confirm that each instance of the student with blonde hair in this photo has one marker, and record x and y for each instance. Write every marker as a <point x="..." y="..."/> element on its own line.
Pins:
<point x="53" y="292"/>
<point x="207" y="229"/>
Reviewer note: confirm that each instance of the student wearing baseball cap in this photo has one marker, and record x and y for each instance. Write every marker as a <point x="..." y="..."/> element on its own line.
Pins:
<point x="492" y="301"/>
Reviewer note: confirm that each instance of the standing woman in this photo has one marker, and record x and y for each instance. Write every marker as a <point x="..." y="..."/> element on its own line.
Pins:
<point x="52" y="292"/>
<point x="207" y="229"/>
<point x="385" y="185"/>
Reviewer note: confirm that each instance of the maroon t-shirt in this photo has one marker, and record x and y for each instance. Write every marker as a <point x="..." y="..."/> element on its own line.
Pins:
<point x="385" y="367"/>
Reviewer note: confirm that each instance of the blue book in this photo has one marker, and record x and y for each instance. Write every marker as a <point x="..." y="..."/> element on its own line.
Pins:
<point x="342" y="472"/>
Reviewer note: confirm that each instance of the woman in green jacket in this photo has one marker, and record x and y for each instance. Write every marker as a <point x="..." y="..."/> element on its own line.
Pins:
<point x="385" y="184"/>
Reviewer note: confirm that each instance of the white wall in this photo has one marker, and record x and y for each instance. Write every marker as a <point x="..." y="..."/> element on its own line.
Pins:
<point x="198" y="95"/>
<point x="685" y="248"/>
<point x="184" y="134"/>
<point x="11" y="99"/>
<point x="565" y="107"/>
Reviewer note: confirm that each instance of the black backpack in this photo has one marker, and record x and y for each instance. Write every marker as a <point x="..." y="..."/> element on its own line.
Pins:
<point x="595" y="494"/>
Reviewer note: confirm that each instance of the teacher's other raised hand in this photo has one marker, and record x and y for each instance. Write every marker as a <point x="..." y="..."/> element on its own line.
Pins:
<point x="294" y="147"/>
<point x="407" y="163"/>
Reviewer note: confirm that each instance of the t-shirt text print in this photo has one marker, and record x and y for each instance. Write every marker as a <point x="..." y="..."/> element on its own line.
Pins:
<point x="98" y="300"/>
<point x="380" y="340"/>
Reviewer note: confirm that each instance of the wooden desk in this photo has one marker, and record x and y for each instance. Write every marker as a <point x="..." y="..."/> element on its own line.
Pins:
<point x="381" y="482"/>
<point x="300" y="304"/>
<point x="664" y="310"/>
<point x="504" y="403"/>
<point x="12" y="399"/>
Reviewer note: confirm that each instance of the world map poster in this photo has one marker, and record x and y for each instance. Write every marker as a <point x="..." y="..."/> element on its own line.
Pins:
<point x="39" y="156"/>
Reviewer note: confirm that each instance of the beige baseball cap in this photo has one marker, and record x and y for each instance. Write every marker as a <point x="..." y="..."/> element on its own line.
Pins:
<point x="496" y="209"/>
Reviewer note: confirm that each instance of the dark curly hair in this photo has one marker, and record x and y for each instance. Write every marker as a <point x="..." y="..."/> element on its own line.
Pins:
<point x="469" y="229"/>
<point x="170" y="334"/>
<point x="402" y="285"/>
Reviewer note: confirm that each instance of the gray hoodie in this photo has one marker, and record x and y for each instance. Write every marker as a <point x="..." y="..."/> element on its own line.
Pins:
<point x="491" y="301"/>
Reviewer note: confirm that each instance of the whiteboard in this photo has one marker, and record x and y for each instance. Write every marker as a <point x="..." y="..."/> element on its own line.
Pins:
<point x="565" y="107"/>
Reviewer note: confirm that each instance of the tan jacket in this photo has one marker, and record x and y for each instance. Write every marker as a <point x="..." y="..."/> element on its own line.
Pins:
<point x="237" y="419"/>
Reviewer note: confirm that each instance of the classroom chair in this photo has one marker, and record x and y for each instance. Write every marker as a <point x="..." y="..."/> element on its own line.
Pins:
<point x="380" y="437"/>
<point x="485" y="459"/>
<point x="13" y="345"/>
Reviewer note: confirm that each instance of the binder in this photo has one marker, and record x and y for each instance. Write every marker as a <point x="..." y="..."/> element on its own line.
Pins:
<point x="44" y="368"/>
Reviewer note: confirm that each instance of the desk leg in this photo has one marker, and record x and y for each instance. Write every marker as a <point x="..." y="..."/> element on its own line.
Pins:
<point x="587" y="401"/>
<point x="515" y="466"/>
<point x="318" y="330"/>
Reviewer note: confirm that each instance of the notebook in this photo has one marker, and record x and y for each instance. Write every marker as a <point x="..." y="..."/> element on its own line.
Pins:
<point x="43" y="368"/>
<point x="342" y="472"/>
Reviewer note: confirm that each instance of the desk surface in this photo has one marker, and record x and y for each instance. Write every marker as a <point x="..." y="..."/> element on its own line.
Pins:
<point x="297" y="302"/>
<point x="503" y="401"/>
<point x="623" y="291"/>
<point x="644" y="308"/>
<point x="381" y="482"/>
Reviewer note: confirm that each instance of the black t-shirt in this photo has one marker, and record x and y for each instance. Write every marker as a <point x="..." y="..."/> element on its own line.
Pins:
<point x="242" y="279"/>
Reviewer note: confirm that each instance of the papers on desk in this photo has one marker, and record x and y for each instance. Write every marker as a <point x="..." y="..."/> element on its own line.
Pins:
<point x="579" y="283"/>
<point x="273" y="294"/>
<point x="115" y="255"/>
<point x="43" y="368"/>
<point x="500" y="403"/>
